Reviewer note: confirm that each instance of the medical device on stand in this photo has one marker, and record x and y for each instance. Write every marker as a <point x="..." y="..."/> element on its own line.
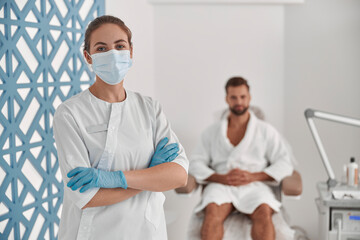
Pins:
<point x="338" y="204"/>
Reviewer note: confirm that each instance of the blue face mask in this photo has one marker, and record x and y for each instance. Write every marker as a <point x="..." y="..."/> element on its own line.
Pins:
<point x="111" y="66"/>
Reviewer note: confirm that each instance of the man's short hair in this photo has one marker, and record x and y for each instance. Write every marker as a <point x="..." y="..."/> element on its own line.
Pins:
<point x="235" y="82"/>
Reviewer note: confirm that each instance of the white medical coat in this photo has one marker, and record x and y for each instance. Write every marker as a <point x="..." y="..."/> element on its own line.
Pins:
<point x="90" y="132"/>
<point x="261" y="149"/>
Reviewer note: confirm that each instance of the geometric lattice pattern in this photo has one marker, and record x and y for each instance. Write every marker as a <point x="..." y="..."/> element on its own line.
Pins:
<point x="41" y="65"/>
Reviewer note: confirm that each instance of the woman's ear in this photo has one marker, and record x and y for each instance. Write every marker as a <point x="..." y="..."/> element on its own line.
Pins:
<point x="87" y="57"/>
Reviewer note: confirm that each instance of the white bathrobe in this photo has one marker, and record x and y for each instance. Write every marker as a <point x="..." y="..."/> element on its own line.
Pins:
<point x="261" y="149"/>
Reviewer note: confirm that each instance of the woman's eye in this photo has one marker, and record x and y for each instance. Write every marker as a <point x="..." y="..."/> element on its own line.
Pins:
<point x="101" y="49"/>
<point x="120" y="46"/>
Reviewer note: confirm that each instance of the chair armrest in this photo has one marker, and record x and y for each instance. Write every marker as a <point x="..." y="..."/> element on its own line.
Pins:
<point x="292" y="185"/>
<point x="190" y="186"/>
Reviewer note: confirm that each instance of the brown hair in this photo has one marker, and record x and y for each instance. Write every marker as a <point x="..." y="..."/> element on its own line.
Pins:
<point x="97" y="22"/>
<point x="235" y="82"/>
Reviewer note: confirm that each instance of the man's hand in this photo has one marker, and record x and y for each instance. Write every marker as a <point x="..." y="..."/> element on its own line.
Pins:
<point x="237" y="177"/>
<point x="234" y="177"/>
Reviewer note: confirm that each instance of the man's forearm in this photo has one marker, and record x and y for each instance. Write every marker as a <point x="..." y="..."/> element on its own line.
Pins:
<point x="109" y="196"/>
<point x="217" y="178"/>
<point x="261" y="177"/>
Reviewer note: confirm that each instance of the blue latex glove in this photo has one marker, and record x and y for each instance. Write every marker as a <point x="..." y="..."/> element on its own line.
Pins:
<point x="87" y="178"/>
<point x="164" y="154"/>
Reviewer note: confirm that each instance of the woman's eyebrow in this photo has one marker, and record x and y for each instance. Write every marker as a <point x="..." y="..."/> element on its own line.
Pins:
<point x="120" y="40"/>
<point x="102" y="43"/>
<point x="99" y="43"/>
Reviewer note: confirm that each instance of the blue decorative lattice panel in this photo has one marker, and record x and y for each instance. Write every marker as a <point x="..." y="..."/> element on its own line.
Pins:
<point x="41" y="65"/>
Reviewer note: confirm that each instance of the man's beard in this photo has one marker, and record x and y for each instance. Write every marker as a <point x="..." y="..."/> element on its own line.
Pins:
<point x="239" y="112"/>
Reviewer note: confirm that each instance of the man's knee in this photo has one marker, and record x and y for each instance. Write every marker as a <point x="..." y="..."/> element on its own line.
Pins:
<point x="218" y="212"/>
<point x="212" y="210"/>
<point x="261" y="213"/>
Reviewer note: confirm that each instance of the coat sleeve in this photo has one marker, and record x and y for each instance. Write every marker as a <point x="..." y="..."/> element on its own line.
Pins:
<point x="200" y="159"/>
<point x="72" y="152"/>
<point x="163" y="129"/>
<point x="278" y="155"/>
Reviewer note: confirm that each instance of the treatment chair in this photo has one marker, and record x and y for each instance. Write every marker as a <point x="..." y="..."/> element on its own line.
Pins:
<point x="237" y="225"/>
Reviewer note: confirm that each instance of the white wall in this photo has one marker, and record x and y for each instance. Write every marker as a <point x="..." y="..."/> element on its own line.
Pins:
<point x="322" y="71"/>
<point x="199" y="47"/>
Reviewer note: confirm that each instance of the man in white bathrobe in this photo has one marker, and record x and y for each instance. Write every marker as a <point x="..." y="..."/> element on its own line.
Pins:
<point x="235" y="156"/>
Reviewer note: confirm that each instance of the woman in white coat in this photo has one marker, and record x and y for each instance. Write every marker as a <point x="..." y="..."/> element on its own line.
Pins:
<point x="112" y="148"/>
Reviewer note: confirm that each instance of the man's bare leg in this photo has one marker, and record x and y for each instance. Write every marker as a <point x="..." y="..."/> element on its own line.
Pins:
<point x="215" y="215"/>
<point x="262" y="225"/>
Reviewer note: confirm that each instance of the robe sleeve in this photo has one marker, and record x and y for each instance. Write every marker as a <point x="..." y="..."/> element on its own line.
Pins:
<point x="200" y="159"/>
<point x="163" y="129"/>
<point x="72" y="152"/>
<point x="278" y="155"/>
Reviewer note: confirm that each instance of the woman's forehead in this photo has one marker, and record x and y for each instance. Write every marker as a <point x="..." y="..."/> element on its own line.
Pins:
<point x="108" y="32"/>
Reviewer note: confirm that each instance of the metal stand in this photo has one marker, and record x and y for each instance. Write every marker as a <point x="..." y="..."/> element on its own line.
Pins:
<point x="309" y="115"/>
